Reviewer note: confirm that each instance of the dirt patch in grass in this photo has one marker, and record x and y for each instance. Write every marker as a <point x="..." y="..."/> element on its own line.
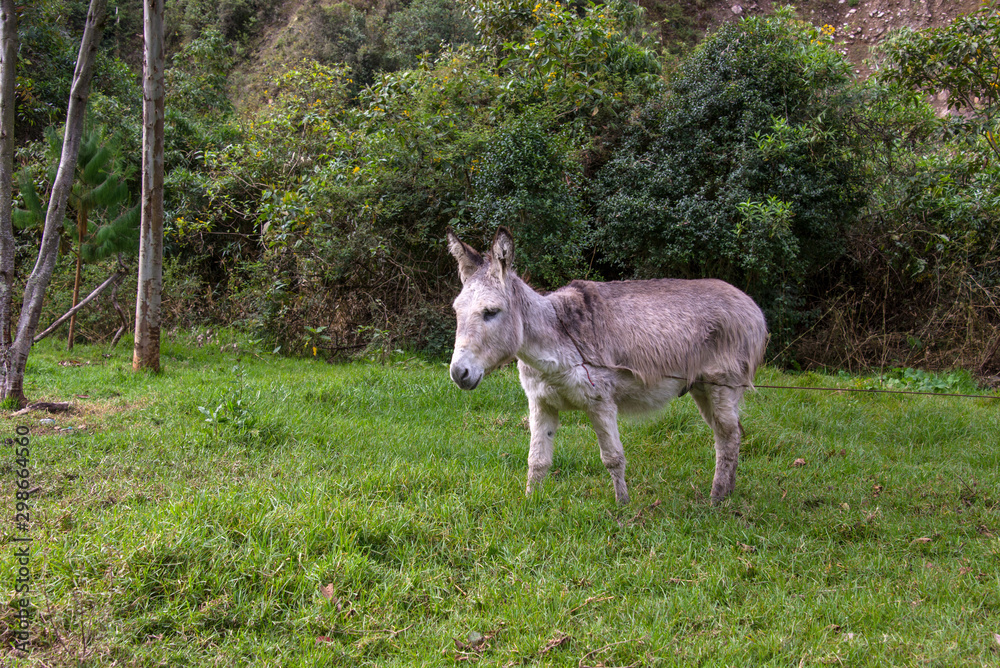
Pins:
<point x="84" y="413"/>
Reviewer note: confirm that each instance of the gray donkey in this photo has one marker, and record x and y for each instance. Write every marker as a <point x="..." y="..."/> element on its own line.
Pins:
<point x="601" y="348"/>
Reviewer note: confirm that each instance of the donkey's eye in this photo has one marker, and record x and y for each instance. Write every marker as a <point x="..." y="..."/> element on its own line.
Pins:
<point x="490" y="313"/>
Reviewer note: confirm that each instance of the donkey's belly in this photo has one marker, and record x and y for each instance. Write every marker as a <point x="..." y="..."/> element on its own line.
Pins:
<point x="634" y="397"/>
<point x="581" y="388"/>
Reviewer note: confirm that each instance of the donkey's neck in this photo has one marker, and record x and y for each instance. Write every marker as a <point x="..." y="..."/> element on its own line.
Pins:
<point x="545" y="344"/>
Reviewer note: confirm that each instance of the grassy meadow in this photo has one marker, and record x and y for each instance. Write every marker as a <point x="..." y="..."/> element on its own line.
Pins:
<point x="246" y="509"/>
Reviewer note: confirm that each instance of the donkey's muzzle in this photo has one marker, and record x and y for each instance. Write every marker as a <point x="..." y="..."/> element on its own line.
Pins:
<point x="466" y="375"/>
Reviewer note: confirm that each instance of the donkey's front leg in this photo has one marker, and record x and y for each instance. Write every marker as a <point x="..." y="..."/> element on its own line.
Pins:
<point x="544" y="421"/>
<point x="604" y="418"/>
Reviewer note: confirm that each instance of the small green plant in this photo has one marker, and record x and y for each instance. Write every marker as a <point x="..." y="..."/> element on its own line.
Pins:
<point x="315" y="339"/>
<point x="379" y="342"/>
<point x="919" y="380"/>
<point x="237" y="411"/>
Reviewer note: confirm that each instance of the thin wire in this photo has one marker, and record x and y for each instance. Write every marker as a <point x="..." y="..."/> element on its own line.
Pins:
<point x="874" y="391"/>
<point x="844" y="389"/>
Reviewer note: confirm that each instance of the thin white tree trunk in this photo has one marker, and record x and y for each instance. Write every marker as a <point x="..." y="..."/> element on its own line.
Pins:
<point x="146" y="354"/>
<point x="38" y="281"/>
<point x="8" y="64"/>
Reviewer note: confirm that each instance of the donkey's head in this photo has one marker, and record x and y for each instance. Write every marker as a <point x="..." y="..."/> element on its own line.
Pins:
<point x="489" y="331"/>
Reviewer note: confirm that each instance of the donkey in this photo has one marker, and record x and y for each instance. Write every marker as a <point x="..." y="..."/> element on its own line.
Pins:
<point x="601" y="348"/>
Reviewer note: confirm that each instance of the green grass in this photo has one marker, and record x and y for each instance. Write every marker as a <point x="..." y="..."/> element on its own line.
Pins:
<point x="374" y="515"/>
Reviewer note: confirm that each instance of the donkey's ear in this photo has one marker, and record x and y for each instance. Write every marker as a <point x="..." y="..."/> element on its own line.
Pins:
<point x="468" y="259"/>
<point x="503" y="253"/>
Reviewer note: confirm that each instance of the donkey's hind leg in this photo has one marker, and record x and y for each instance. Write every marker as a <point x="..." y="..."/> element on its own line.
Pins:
<point x="720" y="406"/>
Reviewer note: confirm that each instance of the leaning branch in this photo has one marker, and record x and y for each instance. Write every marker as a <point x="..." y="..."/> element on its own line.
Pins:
<point x="114" y="278"/>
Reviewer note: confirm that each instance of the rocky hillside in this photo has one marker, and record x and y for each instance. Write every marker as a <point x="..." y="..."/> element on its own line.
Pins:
<point x="859" y="24"/>
<point x="355" y="31"/>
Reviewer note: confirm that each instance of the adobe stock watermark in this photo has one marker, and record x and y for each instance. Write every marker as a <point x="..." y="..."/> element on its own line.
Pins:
<point x="22" y="537"/>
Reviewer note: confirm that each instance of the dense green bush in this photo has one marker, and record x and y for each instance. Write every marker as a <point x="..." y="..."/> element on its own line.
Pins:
<point x="747" y="170"/>
<point x="528" y="181"/>
<point x="920" y="284"/>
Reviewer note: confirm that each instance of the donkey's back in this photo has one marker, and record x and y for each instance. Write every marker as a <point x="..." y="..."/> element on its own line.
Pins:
<point x="694" y="330"/>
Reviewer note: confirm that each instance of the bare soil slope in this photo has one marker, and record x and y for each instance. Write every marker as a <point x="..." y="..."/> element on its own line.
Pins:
<point x="859" y="24"/>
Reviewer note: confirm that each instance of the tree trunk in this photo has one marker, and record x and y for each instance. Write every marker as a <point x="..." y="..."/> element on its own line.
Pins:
<point x="38" y="281"/>
<point x="81" y="232"/>
<point x="8" y="59"/>
<point x="146" y="354"/>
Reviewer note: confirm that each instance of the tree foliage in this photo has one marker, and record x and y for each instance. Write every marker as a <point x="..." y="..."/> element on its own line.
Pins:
<point x="747" y="170"/>
<point x="312" y="209"/>
<point x="98" y="200"/>
<point x="962" y="58"/>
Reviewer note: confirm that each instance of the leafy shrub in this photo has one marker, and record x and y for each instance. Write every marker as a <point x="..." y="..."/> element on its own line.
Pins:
<point x="747" y="170"/>
<point x="578" y="59"/>
<point x="527" y="181"/>
<point x="498" y="22"/>
<point x="962" y="58"/>
<point x="356" y="247"/>
<point x="921" y="285"/>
